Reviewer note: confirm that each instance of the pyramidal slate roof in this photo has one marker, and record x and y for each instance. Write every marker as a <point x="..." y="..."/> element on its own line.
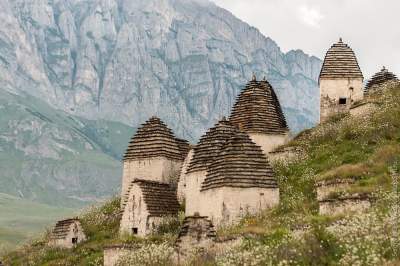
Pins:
<point x="209" y="145"/>
<point x="183" y="146"/>
<point x="340" y="62"/>
<point x="62" y="228"/>
<point x="381" y="77"/>
<point x="196" y="226"/>
<point x="160" y="198"/>
<point x="241" y="163"/>
<point x="257" y="109"/>
<point x="155" y="139"/>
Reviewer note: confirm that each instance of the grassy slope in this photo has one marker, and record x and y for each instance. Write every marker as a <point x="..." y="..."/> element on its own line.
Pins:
<point x="29" y="122"/>
<point x="92" y="174"/>
<point x="363" y="148"/>
<point x="101" y="225"/>
<point x="345" y="147"/>
<point x="21" y="219"/>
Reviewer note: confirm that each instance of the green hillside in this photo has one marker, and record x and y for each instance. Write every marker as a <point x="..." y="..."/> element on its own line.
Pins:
<point x="21" y="219"/>
<point x="51" y="164"/>
<point x="54" y="158"/>
<point x="366" y="149"/>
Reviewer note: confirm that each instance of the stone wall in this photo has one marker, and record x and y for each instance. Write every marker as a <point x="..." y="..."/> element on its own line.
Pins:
<point x="343" y="205"/>
<point x="181" y="191"/>
<point x="192" y="198"/>
<point x="113" y="253"/>
<point x="269" y="142"/>
<point x="330" y="107"/>
<point x="227" y="205"/>
<point x="155" y="169"/>
<point x="135" y="213"/>
<point x="284" y="155"/>
<point x="333" y="197"/>
<point x="331" y="90"/>
<point x="362" y="109"/>
<point x="136" y="217"/>
<point x="324" y="188"/>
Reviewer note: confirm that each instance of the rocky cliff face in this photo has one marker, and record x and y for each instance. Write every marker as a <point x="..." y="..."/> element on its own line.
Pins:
<point x="75" y="73"/>
<point x="125" y="60"/>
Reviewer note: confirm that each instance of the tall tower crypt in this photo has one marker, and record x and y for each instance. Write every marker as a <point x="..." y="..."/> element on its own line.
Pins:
<point x="340" y="81"/>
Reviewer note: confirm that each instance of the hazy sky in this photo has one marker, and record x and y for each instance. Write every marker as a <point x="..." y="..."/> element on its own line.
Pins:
<point x="370" y="27"/>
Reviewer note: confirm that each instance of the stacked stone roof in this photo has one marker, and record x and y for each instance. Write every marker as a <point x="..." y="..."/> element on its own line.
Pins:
<point x="241" y="163"/>
<point x="62" y="228"/>
<point x="196" y="226"/>
<point x="160" y="198"/>
<point x="340" y="62"/>
<point x="209" y="146"/>
<point x="155" y="139"/>
<point x="257" y="110"/>
<point x="379" y="78"/>
<point x="183" y="146"/>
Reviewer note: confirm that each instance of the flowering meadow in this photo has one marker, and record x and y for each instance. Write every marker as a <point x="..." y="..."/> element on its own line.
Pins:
<point x="365" y="149"/>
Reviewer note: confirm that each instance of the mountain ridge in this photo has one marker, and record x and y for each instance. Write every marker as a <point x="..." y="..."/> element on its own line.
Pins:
<point x="77" y="77"/>
<point x="191" y="53"/>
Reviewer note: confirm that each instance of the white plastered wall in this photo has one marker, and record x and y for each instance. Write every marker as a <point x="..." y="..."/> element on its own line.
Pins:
<point x="181" y="191"/>
<point x="135" y="213"/>
<point x="155" y="169"/>
<point x="269" y="142"/>
<point x="339" y="88"/>
<point x="228" y="205"/>
<point x="192" y="193"/>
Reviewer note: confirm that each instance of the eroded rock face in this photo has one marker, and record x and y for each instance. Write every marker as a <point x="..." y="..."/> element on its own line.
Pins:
<point x="123" y="61"/>
<point x="127" y="60"/>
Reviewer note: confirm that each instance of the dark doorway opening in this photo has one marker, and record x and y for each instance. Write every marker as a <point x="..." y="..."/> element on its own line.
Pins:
<point x="135" y="230"/>
<point x="342" y="100"/>
<point x="74" y="240"/>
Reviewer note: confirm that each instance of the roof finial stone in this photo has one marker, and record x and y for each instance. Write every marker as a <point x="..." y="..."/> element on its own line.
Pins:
<point x="254" y="77"/>
<point x="340" y="40"/>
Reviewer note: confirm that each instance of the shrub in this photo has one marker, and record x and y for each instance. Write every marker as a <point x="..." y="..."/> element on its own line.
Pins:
<point x="170" y="225"/>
